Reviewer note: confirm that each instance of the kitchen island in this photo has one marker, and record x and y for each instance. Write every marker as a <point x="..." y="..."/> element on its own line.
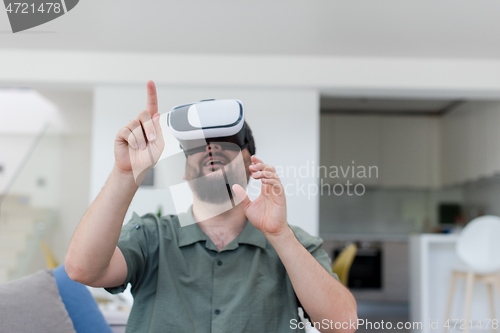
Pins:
<point x="432" y="258"/>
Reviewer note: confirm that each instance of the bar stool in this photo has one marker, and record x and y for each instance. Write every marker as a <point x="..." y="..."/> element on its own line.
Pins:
<point x="478" y="246"/>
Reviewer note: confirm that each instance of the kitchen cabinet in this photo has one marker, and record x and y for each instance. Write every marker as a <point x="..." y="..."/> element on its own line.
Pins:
<point x="409" y="152"/>
<point x="470" y="139"/>
<point x="403" y="149"/>
<point x="351" y="143"/>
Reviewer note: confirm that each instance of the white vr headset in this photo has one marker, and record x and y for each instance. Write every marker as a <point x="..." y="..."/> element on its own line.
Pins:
<point x="209" y="121"/>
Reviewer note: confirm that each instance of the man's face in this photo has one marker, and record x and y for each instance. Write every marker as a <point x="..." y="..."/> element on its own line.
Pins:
<point x="204" y="171"/>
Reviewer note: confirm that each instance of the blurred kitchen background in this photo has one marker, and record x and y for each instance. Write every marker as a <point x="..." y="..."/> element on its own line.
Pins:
<point x="411" y="89"/>
<point x="438" y="168"/>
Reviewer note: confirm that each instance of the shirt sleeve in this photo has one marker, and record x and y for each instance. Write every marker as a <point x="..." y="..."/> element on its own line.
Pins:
<point x="136" y="242"/>
<point x="313" y="245"/>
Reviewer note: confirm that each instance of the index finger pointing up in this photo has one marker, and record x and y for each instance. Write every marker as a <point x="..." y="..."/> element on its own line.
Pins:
<point x="152" y="103"/>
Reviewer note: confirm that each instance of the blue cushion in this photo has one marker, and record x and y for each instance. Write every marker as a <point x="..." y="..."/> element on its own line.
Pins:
<point x="81" y="306"/>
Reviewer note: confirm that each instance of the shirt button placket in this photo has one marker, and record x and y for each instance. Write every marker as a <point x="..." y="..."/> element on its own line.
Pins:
<point x="218" y="285"/>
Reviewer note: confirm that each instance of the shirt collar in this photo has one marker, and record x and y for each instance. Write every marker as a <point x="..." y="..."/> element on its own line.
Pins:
<point x="192" y="233"/>
<point x="253" y="236"/>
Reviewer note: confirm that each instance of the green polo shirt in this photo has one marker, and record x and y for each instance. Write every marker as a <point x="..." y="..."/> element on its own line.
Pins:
<point x="181" y="282"/>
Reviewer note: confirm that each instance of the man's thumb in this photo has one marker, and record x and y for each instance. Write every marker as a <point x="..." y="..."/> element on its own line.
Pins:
<point x="241" y="195"/>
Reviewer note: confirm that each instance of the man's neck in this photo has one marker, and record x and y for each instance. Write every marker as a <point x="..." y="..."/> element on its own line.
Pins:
<point x="221" y="228"/>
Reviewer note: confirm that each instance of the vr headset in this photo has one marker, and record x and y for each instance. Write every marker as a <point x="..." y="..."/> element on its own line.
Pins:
<point x="196" y="125"/>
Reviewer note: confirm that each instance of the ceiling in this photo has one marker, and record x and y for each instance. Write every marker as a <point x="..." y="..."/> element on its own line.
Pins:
<point x="359" y="28"/>
<point x="387" y="106"/>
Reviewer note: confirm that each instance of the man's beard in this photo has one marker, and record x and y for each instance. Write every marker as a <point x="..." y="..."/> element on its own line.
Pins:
<point x="215" y="187"/>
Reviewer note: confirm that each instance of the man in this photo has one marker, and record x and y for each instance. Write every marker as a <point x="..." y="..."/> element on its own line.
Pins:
<point x="244" y="270"/>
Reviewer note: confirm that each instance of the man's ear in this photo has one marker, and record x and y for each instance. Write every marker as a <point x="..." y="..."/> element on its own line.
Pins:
<point x="245" y="154"/>
<point x="185" y="168"/>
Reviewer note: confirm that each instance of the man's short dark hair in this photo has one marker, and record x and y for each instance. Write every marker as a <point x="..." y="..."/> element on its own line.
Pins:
<point x="249" y="137"/>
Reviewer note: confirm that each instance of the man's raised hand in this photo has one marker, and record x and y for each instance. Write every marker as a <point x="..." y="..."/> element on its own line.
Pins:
<point x="139" y="145"/>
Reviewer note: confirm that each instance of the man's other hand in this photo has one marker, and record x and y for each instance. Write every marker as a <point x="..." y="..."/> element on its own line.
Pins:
<point x="268" y="212"/>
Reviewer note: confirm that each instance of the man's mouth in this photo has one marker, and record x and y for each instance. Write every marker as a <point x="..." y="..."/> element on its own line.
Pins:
<point x="215" y="162"/>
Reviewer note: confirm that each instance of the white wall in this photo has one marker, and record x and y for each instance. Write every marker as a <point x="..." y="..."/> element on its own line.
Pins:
<point x="285" y="124"/>
<point x="24" y="114"/>
<point x="62" y="158"/>
<point x="44" y="164"/>
<point x="74" y="190"/>
<point x="76" y="112"/>
<point x="12" y="150"/>
<point x="340" y="76"/>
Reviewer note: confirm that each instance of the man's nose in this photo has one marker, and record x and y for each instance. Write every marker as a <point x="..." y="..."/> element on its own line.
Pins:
<point x="213" y="147"/>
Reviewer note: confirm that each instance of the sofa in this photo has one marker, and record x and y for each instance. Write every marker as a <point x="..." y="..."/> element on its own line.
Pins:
<point x="49" y="301"/>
